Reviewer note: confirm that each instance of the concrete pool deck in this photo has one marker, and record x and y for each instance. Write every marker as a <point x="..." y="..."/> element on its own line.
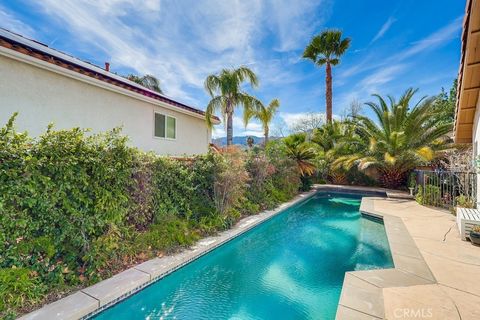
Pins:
<point x="436" y="274"/>
<point x="434" y="270"/>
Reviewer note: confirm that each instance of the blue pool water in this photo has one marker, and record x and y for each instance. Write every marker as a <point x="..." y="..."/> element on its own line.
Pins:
<point x="290" y="267"/>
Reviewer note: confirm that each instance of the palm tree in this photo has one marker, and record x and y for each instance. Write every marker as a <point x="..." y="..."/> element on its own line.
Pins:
<point x="336" y="139"/>
<point x="302" y="152"/>
<point x="326" y="49"/>
<point x="226" y="93"/>
<point x="401" y="139"/>
<point x="264" y="115"/>
<point x="148" y="81"/>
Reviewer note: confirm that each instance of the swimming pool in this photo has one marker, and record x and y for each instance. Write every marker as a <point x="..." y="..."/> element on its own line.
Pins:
<point x="290" y="267"/>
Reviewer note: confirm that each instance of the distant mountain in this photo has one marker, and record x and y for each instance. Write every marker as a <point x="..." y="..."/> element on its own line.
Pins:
<point x="238" y="140"/>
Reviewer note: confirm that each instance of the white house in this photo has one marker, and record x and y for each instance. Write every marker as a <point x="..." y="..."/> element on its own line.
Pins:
<point x="47" y="86"/>
<point x="467" y="113"/>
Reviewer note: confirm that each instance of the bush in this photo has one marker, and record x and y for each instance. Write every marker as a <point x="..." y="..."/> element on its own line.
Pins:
<point x="429" y="196"/>
<point x="260" y="185"/>
<point x="357" y="177"/>
<point x="419" y="195"/>
<point x="77" y="207"/>
<point x="18" y="287"/>
<point x="465" y="201"/>
<point x="230" y="184"/>
<point x="166" y="236"/>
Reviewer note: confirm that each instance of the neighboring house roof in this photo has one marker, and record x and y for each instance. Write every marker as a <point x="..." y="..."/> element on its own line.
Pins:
<point x="42" y="52"/>
<point x="469" y="74"/>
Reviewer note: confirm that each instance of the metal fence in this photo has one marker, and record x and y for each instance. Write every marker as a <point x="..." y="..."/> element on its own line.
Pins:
<point x="446" y="188"/>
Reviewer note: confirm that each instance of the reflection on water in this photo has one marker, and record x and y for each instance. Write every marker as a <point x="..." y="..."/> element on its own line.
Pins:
<point x="290" y="267"/>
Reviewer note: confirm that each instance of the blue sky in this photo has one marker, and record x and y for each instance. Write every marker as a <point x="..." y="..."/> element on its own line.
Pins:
<point x="396" y="44"/>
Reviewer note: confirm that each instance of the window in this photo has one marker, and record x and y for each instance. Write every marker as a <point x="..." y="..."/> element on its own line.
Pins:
<point x="171" y="122"/>
<point x="165" y="126"/>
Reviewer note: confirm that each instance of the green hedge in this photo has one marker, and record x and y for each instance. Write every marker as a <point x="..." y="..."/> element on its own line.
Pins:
<point x="76" y="207"/>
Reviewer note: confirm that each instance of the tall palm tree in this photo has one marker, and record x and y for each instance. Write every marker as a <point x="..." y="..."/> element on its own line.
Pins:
<point x="148" y="81"/>
<point x="326" y="49"/>
<point x="226" y="93"/>
<point x="265" y="115"/>
<point x="401" y="139"/>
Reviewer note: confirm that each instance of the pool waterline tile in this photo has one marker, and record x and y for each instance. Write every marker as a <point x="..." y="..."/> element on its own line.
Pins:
<point x="121" y="286"/>
<point x="74" y="306"/>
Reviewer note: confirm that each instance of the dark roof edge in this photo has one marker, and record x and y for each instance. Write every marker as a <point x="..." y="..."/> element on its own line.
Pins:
<point x="17" y="41"/>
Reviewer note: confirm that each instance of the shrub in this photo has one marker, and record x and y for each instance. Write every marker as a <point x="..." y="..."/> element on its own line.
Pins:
<point x="167" y="234"/>
<point x="357" y="177"/>
<point x="465" y="201"/>
<point x="286" y="178"/>
<point x="412" y="180"/>
<point x="77" y="207"/>
<point x="140" y="213"/>
<point x="18" y="287"/>
<point x="260" y="189"/>
<point x="230" y="184"/>
<point x="430" y="195"/>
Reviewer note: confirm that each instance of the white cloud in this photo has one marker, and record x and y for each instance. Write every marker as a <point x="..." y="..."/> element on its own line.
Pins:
<point x="250" y="133"/>
<point x="293" y="21"/>
<point x="383" y="29"/>
<point x="373" y="61"/>
<point x="253" y="128"/>
<point x="9" y="22"/>
<point x="433" y="41"/>
<point x="181" y="42"/>
<point x="382" y="76"/>
<point x="218" y="131"/>
<point x="292" y="117"/>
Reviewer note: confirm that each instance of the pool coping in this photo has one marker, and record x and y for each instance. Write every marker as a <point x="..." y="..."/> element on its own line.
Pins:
<point x="362" y="291"/>
<point x="92" y="300"/>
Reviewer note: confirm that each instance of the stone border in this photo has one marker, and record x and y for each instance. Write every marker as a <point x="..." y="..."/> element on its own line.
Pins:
<point x="362" y="291"/>
<point x="92" y="300"/>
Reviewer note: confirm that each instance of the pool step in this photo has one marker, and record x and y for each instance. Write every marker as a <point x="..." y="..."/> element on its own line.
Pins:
<point x="360" y="296"/>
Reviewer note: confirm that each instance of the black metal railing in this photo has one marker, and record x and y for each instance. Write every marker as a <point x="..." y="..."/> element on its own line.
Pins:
<point x="446" y="189"/>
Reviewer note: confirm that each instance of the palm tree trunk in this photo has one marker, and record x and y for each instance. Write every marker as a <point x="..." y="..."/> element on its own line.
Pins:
<point x="265" y="141"/>
<point x="328" y="93"/>
<point x="392" y="178"/>
<point x="229" y="128"/>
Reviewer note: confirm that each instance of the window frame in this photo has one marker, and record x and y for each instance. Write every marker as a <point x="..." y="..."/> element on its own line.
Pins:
<point x="166" y="121"/>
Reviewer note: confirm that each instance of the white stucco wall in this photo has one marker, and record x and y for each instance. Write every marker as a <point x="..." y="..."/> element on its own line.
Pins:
<point x="42" y="96"/>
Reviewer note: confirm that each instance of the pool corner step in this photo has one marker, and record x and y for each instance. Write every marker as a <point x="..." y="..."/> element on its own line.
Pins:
<point x="360" y="297"/>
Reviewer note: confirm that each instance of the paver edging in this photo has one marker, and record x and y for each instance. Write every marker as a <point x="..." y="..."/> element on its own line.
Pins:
<point x="51" y="311"/>
<point x="412" y="266"/>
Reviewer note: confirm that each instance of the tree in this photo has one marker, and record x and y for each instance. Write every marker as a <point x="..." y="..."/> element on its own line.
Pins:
<point x="401" y="138"/>
<point x="353" y="110"/>
<point x="444" y="105"/>
<point x="326" y="49"/>
<point x="301" y="152"/>
<point x="226" y="93"/>
<point x="148" y="81"/>
<point x="308" y="123"/>
<point x="265" y="115"/>
<point x="336" y="139"/>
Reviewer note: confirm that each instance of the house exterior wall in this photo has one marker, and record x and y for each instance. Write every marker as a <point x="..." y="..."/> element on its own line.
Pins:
<point x="42" y="96"/>
<point x="476" y="144"/>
